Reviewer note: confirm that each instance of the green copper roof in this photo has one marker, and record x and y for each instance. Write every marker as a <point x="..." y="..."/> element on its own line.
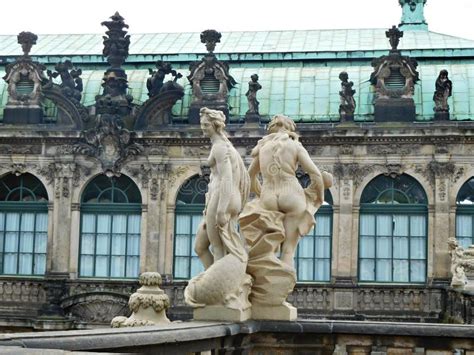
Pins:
<point x="307" y="93"/>
<point x="182" y="46"/>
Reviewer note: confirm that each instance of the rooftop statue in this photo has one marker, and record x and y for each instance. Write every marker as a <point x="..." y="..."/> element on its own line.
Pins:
<point x="444" y="89"/>
<point x="279" y="215"/>
<point x="348" y="104"/>
<point x="221" y="292"/>
<point x="251" y="94"/>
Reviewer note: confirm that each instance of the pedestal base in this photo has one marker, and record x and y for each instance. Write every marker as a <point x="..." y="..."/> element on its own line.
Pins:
<point x="22" y="115"/>
<point x="252" y="118"/>
<point x="194" y="115"/>
<point x="283" y="312"/>
<point x="441" y="116"/>
<point x="221" y="313"/>
<point x="394" y="110"/>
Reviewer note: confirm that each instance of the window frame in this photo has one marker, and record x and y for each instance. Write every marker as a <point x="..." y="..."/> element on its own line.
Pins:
<point x="402" y="209"/>
<point x="118" y="208"/>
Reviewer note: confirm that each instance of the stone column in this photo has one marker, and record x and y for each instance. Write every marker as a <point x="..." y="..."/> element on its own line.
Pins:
<point x="75" y="239"/>
<point x="440" y="261"/>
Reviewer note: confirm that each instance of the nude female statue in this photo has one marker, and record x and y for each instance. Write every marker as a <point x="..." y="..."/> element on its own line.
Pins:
<point x="221" y="291"/>
<point x="227" y="193"/>
<point x="276" y="157"/>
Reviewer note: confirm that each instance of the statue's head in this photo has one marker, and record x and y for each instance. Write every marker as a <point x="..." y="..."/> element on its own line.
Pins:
<point x="279" y="123"/>
<point x="343" y="76"/>
<point x="254" y="77"/>
<point x="211" y="121"/>
<point x="443" y="73"/>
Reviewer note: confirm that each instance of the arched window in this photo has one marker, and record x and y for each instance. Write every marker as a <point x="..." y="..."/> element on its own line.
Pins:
<point x="110" y="228"/>
<point x="393" y="230"/>
<point x="465" y="214"/>
<point x="190" y="204"/>
<point x="313" y="256"/>
<point x="23" y="225"/>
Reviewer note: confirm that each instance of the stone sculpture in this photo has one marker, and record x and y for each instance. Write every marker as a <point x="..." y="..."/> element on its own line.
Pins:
<point x="251" y="94"/>
<point x="71" y="82"/>
<point x="148" y="304"/>
<point x="25" y="79"/>
<point x="210" y="80"/>
<point x="221" y="291"/>
<point x="457" y="270"/>
<point x="279" y="215"/>
<point x="444" y="89"/>
<point x="348" y="104"/>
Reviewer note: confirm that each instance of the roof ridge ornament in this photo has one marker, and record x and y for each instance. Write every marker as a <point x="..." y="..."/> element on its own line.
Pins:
<point x="394" y="35"/>
<point x="27" y="41"/>
<point x="210" y="38"/>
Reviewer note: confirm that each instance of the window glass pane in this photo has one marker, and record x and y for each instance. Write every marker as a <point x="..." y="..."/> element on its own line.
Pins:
<point x="181" y="267"/>
<point x="305" y="269"/>
<point x="117" y="266"/>
<point x="13" y="222"/>
<point x="41" y="242"/>
<point x="133" y="266"/>
<point x="196" y="220"/>
<point x="367" y="247"/>
<point x="367" y="225"/>
<point x="87" y="244"/>
<point x="2" y="221"/>
<point x="400" y="271"/>
<point x="183" y="224"/>
<point x="322" y="270"/>
<point x="11" y="242"/>
<point x="323" y="225"/>
<point x="418" y="271"/>
<point x="102" y="246"/>
<point x="400" y="224"/>
<point x="26" y="242"/>
<point x="87" y="264"/>
<point x="40" y="264"/>
<point x="196" y="266"/>
<point x="384" y="270"/>
<point x="119" y="223"/>
<point x="418" y="226"/>
<point x="134" y="224"/>
<point x="41" y="222"/>
<point x="306" y="247"/>
<point x="323" y="247"/>
<point x="101" y="266"/>
<point x="463" y="225"/>
<point x="367" y="270"/>
<point x="418" y="248"/>
<point x="384" y="225"/>
<point x="133" y="244"/>
<point x="88" y="223"/>
<point x="26" y="263"/>
<point x="28" y="222"/>
<point x="118" y="244"/>
<point x="9" y="266"/>
<point x="384" y="247"/>
<point x="103" y="223"/>
<point x="182" y="246"/>
<point x="465" y="242"/>
<point x="400" y="248"/>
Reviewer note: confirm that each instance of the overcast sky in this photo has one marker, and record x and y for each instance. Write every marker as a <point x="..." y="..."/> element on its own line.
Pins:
<point x="452" y="17"/>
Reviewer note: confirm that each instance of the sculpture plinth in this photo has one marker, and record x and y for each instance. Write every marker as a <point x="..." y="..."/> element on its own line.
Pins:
<point x="148" y="304"/>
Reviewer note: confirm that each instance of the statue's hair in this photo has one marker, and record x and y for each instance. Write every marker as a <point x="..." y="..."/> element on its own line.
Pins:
<point x="216" y="117"/>
<point x="281" y="121"/>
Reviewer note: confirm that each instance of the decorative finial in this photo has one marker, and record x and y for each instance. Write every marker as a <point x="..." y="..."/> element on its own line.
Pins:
<point x="27" y="40"/>
<point x="210" y="38"/>
<point x="117" y="43"/>
<point x="394" y="35"/>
